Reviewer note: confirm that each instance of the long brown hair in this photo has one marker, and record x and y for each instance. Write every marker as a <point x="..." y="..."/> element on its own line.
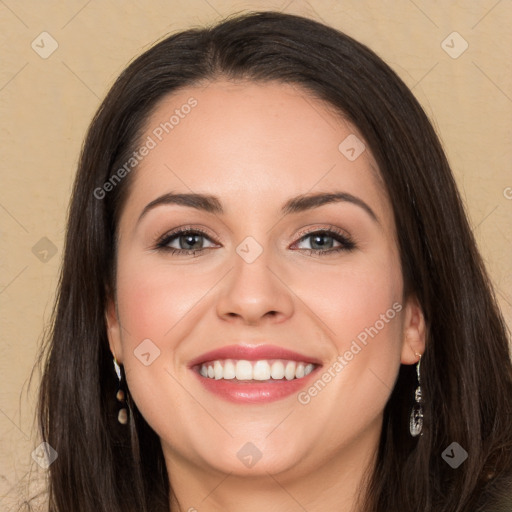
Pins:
<point x="466" y="371"/>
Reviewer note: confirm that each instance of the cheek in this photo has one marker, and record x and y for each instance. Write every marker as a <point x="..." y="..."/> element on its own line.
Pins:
<point x="351" y="298"/>
<point x="153" y="301"/>
<point x="361" y="319"/>
<point x="152" y="298"/>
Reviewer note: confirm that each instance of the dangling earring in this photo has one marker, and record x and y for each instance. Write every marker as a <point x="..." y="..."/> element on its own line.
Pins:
<point x="416" y="419"/>
<point x="122" y="416"/>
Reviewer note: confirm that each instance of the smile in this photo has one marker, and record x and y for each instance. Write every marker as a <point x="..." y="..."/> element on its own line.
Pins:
<point x="262" y="370"/>
<point x="254" y="374"/>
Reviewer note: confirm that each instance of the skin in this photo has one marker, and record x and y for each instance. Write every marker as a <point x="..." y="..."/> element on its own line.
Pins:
<point x="254" y="146"/>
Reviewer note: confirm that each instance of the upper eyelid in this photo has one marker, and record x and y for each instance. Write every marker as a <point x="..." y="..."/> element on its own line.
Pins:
<point x="173" y="233"/>
<point x="330" y="228"/>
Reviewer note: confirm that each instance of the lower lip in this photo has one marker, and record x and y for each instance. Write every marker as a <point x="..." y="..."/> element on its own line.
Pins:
<point x="254" y="391"/>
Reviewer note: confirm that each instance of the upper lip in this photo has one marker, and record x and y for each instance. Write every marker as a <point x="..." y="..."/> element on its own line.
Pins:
<point x="253" y="353"/>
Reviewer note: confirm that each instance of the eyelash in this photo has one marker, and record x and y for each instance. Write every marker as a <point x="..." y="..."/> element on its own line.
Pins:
<point x="347" y="244"/>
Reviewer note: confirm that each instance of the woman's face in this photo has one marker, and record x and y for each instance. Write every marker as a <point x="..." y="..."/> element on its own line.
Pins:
<point x="254" y="288"/>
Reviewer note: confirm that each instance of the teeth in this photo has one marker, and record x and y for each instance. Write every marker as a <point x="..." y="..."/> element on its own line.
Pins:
<point x="243" y="370"/>
<point x="229" y="370"/>
<point x="217" y="370"/>
<point x="275" y="369"/>
<point x="261" y="370"/>
<point x="289" y="371"/>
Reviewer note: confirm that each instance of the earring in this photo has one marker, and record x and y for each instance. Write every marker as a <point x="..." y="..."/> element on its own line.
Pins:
<point x="416" y="419"/>
<point x="122" y="416"/>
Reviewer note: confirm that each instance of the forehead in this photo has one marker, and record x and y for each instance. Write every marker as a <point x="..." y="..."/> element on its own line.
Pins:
<point x="251" y="143"/>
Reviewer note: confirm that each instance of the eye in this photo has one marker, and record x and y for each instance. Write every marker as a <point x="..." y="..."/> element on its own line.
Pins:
<point x="189" y="241"/>
<point x="319" y="245"/>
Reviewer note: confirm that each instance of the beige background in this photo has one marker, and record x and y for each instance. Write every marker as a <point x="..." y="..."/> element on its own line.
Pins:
<point x="46" y="105"/>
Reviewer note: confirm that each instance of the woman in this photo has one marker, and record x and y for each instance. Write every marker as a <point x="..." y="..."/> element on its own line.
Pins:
<point x="264" y="241"/>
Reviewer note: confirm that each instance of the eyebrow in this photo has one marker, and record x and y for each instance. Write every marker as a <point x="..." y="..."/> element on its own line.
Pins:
<point x="301" y="203"/>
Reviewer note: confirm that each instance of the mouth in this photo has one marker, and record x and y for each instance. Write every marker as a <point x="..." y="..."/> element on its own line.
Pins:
<point x="248" y="374"/>
<point x="262" y="370"/>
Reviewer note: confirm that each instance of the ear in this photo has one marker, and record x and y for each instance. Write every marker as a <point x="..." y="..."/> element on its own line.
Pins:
<point x="414" y="334"/>
<point x="113" y="328"/>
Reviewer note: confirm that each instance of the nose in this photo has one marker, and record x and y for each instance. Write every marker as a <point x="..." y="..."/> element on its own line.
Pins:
<point x="255" y="292"/>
